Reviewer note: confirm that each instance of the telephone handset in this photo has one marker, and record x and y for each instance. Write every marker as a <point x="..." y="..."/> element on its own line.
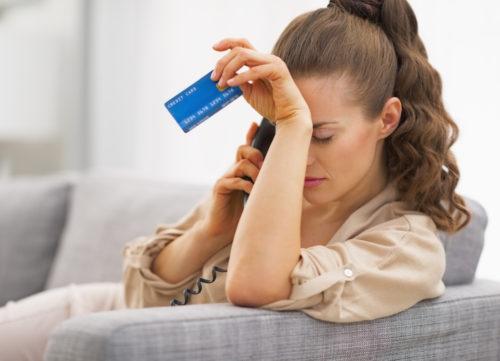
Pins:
<point x="262" y="140"/>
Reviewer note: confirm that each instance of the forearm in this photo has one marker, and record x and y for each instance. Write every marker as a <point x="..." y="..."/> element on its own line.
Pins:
<point x="266" y="246"/>
<point x="186" y="254"/>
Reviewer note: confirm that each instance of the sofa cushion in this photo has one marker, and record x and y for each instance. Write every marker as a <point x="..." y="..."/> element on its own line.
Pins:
<point x="32" y="217"/>
<point x="107" y="211"/>
<point x="463" y="249"/>
<point x="463" y="324"/>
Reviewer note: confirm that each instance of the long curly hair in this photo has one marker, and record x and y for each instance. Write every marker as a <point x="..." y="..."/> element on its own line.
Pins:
<point x="376" y="44"/>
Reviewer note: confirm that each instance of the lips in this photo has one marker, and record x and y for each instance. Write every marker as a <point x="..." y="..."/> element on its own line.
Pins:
<point x="312" y="179"/>
<point x="310" y="182"/>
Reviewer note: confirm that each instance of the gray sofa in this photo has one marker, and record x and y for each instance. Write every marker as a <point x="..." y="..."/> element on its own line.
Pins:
<point x="64" y="228"/>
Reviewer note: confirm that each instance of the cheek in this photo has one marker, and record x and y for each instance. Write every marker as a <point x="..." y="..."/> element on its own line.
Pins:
<point x="354" y="150"/>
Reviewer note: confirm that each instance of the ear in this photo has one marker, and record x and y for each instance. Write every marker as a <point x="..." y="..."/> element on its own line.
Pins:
<point x="389" y="118"/>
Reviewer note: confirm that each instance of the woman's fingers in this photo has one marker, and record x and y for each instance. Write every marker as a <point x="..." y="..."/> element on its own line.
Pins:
<point x="251" y="133"/>
<point x="243" y="168"/>
<point x="267" y="84"/>
<point x="219" y="67"/>
<point x="226" y="44"/>
<point x="230" y="43"/>
<point x="233" y="180"/>
<point x="265" y="71"/>
<point x="252" y="154"/>
<point x="228" y="66"/>
<point x="229" y="185"/>
<point x="221" y="71"/>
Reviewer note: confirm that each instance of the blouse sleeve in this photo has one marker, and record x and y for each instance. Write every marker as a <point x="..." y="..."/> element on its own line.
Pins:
<point x="382" y="271"/>
<point x="142" y="287"/>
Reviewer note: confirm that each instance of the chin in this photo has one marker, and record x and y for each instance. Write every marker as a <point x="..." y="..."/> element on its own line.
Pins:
<point x="315" y="198"/>
<point x="318" y="196"/>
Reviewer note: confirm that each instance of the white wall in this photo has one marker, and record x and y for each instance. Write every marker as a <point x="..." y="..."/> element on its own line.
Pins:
<point x="41" y="59"/>
<point x="144" y="52"/>
<point x="463" y="42"/>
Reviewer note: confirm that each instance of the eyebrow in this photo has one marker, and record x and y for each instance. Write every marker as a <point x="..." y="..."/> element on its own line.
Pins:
<point x="317" y="125"/>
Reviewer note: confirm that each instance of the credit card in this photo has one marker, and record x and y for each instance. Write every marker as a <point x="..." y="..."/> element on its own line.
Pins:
<point x="200" y="101"/>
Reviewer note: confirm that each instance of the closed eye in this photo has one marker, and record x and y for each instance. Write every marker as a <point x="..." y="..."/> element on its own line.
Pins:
<point x="322" y="140"/>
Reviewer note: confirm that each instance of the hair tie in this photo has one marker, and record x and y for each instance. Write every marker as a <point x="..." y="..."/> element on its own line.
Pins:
<point x="365" y="9"/>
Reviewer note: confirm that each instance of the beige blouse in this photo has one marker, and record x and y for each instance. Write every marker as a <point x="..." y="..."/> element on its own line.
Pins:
<point x="384" y="259"/>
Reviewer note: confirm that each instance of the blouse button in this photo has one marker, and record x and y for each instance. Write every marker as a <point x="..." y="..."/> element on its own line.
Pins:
<point x="348" y="272"/>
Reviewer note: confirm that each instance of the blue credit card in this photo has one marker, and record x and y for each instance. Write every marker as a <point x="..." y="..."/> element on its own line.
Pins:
<point x="200" y="101"/>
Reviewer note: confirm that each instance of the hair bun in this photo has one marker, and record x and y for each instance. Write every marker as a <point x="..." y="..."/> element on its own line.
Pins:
<point x="366" y="9"/>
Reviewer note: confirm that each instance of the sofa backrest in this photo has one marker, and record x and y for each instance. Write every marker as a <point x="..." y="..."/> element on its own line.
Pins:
<point x="32" y="215"/>
<point x="108" y="210"/>
<point x="463" y="249"/>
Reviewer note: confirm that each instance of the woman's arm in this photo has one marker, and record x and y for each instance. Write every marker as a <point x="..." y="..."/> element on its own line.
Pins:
<point x="215" y="229"/>
<point x="266" y="246"/>
<point x="186" y="254"/>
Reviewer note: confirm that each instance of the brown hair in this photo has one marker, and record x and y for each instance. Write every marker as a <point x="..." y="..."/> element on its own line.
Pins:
<point x="376" y="44"/>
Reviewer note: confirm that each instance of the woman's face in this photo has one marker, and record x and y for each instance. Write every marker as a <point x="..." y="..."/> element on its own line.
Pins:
<point x="346" y="148"/>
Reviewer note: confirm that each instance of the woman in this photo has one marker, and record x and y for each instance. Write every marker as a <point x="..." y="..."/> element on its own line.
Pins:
<point x="342" y="216"/>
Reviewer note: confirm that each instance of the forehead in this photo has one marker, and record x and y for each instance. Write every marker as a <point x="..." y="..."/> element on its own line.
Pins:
<point x="328" y="97"/>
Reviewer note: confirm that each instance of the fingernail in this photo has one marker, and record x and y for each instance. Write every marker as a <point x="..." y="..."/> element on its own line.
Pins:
<point x="217" y="44"/>
<point x="212" y="76"/>
<point x="220" y="83"/>
<point x="230" y="81"/>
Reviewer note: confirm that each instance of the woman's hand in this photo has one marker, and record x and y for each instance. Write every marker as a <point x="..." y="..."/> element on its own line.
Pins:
<point x="267" y="85"/>
<point x="227" y="200"/>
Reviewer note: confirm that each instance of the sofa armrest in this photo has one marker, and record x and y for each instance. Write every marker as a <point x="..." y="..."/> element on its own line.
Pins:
<point x="464" y="323"/>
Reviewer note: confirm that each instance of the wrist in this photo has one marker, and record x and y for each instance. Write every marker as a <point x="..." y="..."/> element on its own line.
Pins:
<point x="212" y="238"/>
<point x="301" y="120"/>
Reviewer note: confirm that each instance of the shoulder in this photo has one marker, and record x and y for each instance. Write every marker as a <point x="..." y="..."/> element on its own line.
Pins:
<point x="398" y="215"/>
<point x="387" y="216"/>
<point x="407" y="236"/>
<point x="390" y="217"/>
<point x="396" y="220"/>
<point x="393" y="232"/>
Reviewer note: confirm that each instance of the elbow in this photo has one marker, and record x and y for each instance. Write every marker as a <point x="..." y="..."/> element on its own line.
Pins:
<point x="254" y="292"/>
<point x="240" y="295"/>
<point x="238" y="298"/>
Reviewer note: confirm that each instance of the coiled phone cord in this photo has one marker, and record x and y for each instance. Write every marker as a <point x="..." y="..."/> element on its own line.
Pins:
<point x="188" y="292"/>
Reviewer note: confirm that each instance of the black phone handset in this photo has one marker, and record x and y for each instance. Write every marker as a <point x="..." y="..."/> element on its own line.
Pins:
<point x="261" y="141"/>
